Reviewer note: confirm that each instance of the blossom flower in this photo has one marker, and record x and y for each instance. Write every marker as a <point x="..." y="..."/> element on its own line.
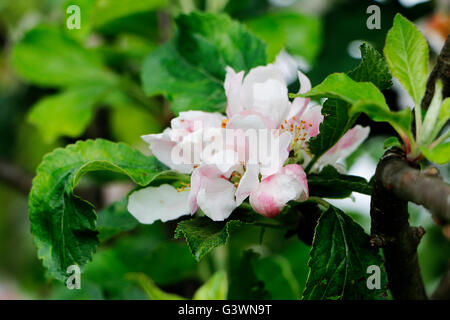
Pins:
<point x="185" y="133"/>
<point x="231" y="172"/>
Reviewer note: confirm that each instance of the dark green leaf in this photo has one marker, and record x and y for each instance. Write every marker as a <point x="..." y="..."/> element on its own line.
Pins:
<point x="340" y="255"/>
<point x="331" y="184"/>
<point x="278" y="278"/>
<point x="63" y="225"/>
<point x="373" y="68"/>
<point x="190" y="69"/>
<point x="114" y="220"/>
<point x="202" y="234"/>
<point x="333" y="127"/>
<point x="244" y="283"/>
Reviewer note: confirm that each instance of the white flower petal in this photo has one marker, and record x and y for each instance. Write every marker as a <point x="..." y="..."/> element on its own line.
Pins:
<point x="158" y="203"/>
<point x="216" y="198"/>
<point x="287" y="65"/>
<point x="233" y="85"/>
<point x="249" y="183"/>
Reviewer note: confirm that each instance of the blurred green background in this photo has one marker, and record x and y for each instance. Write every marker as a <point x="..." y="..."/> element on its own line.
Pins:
<point x="41" y="110"/>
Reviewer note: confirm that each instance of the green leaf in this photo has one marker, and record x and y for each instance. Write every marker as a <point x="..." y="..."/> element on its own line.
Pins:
<point x="48" y="57"/>
<point x="114" y="220"/>
<point x="444" y="116"/>
<point x="406" y="52"/>
<point x="189" y="70"/>
<point x="333" y="127"/>
<point x="278" y="278"/>
<point x="67" y="113"/>
<point x="216" y="288"/>
<point x="244" y="283"/>
<point x="64" y="225"/>
<point x="151" y="289"/>
<point x="331" y="184"/>
<point x="341" y="86"/>
<point x="202" y="234"/>
<point x="271" y="32"/>
<point x="300" y="34"/>
<point x="340" y="255"/>
<point x="399" y="120"/>
<point x="363" y="97"/>
<point x="439" y="154"/>
<point x="108" y="10"/>
<point x="373" y="68"/>
<point x="391" y="142"/>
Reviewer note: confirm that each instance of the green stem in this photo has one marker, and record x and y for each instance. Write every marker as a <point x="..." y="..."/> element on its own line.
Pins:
<point x="440" y="139"/>
<point x="418" y="116"/>
<point x="320" y="201"/>
<point x="311" y="164"/>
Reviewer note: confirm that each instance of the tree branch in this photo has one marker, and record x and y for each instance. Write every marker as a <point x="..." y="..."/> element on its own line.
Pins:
<point x="440" y="71"/>
<point x="422" y="188"/>
<point x="390" y="228"/>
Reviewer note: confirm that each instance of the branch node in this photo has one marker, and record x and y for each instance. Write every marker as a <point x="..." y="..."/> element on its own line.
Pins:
<point x="432" y="172"/>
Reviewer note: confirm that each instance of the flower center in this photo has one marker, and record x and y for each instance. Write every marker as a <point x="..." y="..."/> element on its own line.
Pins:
<point x="300" y="133"/>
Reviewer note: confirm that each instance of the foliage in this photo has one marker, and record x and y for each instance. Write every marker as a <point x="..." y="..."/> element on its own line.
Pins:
<point x="63" y="224"/>
<point x="340" y="256"/>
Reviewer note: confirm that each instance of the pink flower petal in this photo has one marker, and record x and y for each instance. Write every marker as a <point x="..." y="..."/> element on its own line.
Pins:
<point x="275" y="191"/>
<point x="349" y="142"/>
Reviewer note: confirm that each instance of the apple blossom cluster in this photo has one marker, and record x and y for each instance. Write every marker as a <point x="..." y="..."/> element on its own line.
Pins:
<point x="256" y="152"/>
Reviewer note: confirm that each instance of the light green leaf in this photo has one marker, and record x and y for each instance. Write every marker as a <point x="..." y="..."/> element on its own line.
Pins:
<point x="202" y="234"/>
<point x="373" y="68"/>
<point x="439" y="154"/>
<point x="270" y="31"/>
<point x="391" y="142"/>
<point x="303" y="33"/>
<point x="363" y="97"/>
<point x="341" y="86"/>
<point x="430" y="126"/>
<point x="444" y="116"/>
<point x="400" y="120"/>
<point x="150" y="288"/>
<point x="406" y="52"/>
<point x="331" y="184"/>
<point x="300" y="34"/>
<point x="190" y="70"/>
<point x="216" y="288"/>
<point x="64" y="225"/>
<point x="340" y="255"/>
<point x="67" y="113"/>
<point x="48" y="57"/>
